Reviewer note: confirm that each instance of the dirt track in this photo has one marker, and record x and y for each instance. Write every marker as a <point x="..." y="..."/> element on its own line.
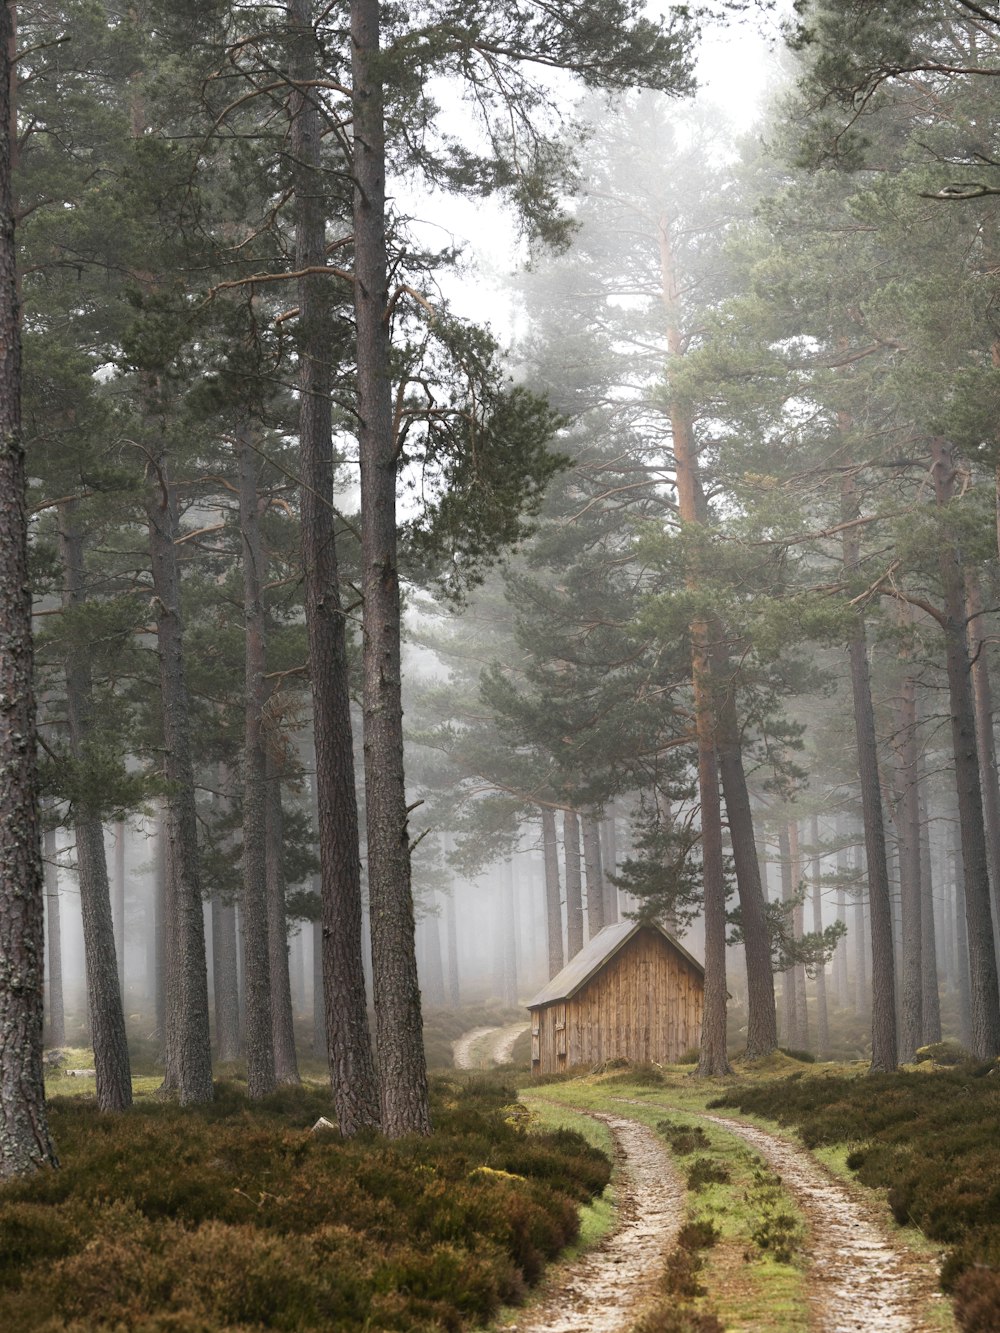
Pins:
<point x="859" y="1277"/>
<point x="472" y="1051"/>
<point x="604" y="1290"/>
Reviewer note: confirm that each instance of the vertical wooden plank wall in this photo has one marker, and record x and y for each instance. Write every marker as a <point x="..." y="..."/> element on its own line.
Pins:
<point x="644" y="1004"/>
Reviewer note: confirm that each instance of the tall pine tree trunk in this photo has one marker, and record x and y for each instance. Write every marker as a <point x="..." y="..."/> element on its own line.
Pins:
<point x="609" y="860"/>
<point x="509" y="934"/>
<point x="931" y="1001"/>
<point x="119" y="903"/>
<point x="107" y="1020"/>
<point x="57" y="1006"/>
<point x="801" y="1040"/>
<point x="24" y="1134"/>
<point x="258" y="1029"/>
<point x="984" y="995"/>
<point x="789" y="995"/>
<point x="713" y="1058"/>
<point x="911" y="1022"/>
<point x="822" y="1017"/>
<point x="286" y="1068"/>
<point x="224" y="983"/>
<point x="352" y="1069"/>
<point x="595" y="876"/>
<point x="884" y="1051"/>
<point x="982" y="693"/>
<point x="189" y="1051"/>
<point x="553" y="906"/>
<point x="574" y="883"/>
<point x="762" y="1019"/>
<point x="399" y="1033"/>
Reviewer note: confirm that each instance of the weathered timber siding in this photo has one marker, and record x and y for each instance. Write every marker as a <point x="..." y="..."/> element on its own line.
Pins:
<point x="643" y="1004"/>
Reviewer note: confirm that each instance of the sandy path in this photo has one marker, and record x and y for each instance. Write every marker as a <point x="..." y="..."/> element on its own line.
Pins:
<point x="858" y="1279"/>
<point x="503" y="1050"/>
<point x="604" y="1290"/>
<point x="462" y="1049"/>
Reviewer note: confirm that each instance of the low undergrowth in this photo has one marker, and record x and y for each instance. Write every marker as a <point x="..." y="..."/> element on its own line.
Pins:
<point x="931" y="1140"/>
<point x="234" y="1216"/>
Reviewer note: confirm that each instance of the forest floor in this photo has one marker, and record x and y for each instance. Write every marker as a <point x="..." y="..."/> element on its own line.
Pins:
<point x="795" y="1247"/>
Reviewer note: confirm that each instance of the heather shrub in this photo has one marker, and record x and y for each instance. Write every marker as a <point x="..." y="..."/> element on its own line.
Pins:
<point x="234" y="1217"/>
<point x="703" y="1171"/>
<point x="928" y="1138"/>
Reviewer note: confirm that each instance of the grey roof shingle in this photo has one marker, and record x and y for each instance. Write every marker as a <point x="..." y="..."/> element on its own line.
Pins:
<point x="594" y="954"/>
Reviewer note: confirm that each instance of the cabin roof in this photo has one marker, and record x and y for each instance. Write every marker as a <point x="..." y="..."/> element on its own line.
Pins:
<point x="595" y="954"/>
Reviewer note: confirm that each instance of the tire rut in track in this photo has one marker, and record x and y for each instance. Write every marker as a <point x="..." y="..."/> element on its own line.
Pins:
<point x="604" y="1290"/>
<point x="860" y="1281"/>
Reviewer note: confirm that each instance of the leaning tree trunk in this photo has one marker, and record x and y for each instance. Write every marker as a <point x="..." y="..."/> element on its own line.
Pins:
<point x="553" y="907"/>
<point x="258" y="1033"/>
<point x="57" y="1007"/>
<point x="574" y="883"/>
<point x="112" y="1073"/>
<point x="713" y="1058"/>
<point x="762" y="1019"/>
<point x="884" y="1054"/>
<point x="985" y="998"/>
<point x="189" y="1047"/>
<point x="352" y="1068"/>
<point x="399" y="1033"/>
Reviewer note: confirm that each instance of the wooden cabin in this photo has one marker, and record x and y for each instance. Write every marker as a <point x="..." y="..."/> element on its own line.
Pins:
<point x="632" y="993"/>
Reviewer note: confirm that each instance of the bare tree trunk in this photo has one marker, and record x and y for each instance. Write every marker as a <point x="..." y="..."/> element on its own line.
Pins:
<point x="57" y="1007"/>
<point x="258" y="1019"/>
<point x="884" y="1052"/>
<point x="964" y="986"/>
<point x="840" y="987"/>
<point x="454" y="984"/>
<point x="574" y="888"/>
<point x="609" y="860"/>
<point x="982" y="693"/>
<point x="930" y="1000"/>
<point x="985" y="996"/>
<point x="553" y="906"/>
<point x="911" y="1022"/>
<point x="286" y="1068"/>
<point x="402" y="1066"/>
<point x="352" y="1069"/>
<point x="595" y="876"/>
<point x="762" y="1018"/>
<point x="432" y="973"/>
<point x="107" y="1020"/>
<point x="189" y="1049"/>
<point x="119" y="903"/>
<point x="789" y="994"/>
<point x="319" y="1002"/>
<point x="509" y="929"/>
<point x="822" y="1018"/>
<point x="713" y="1058"/>
<point x="160" y="892"/>
<point x="861" y="991"/>
<point x="801" y="1041"/>
<point x="226" y="994"/>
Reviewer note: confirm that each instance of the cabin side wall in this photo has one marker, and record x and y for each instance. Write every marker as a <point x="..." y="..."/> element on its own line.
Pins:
<point x="645" y="1004"/>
